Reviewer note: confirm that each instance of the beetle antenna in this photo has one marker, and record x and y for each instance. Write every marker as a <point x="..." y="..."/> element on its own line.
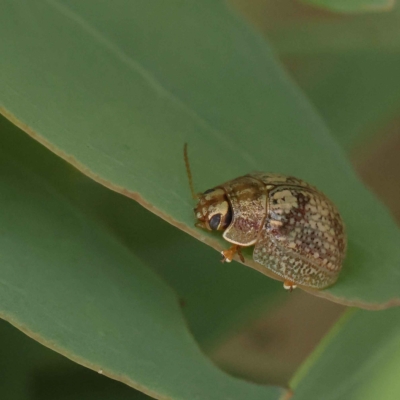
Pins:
<point x="189" y="173"/>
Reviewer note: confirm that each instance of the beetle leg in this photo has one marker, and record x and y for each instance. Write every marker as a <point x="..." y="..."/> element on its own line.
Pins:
<point x="239" y="251"/>
<point x="289" y="285"/>
<point x="200" y="225"/>
<point x="228" y="254"/>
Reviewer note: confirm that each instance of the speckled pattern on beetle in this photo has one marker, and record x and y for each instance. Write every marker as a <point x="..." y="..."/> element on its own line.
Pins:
<point x="296" y="231"/>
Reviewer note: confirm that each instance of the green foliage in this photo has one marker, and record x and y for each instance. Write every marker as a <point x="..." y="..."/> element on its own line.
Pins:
<point x="32" y="371"/>
<point x="234" y="114"/>
<point x="353" y="6"/>
<point x="359" y="359"/>
<point x="354" y="91"/>
<point x="348" y="68"/>
<point x="347" y="65"/>
<point x="69" y="283"/>
<point x="115" y="91"/>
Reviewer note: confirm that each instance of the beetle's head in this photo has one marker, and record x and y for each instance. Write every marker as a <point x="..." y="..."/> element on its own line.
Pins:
<point x="213" y="211"/>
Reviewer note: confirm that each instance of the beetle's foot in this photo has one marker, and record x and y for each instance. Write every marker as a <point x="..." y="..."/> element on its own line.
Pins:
<point x="289" y="285"/>
<point x="200" y="225"/>
<point x="228" y="254"/>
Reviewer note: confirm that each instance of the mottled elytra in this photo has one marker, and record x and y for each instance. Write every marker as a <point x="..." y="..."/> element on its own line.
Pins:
<point x="296" y="231"/>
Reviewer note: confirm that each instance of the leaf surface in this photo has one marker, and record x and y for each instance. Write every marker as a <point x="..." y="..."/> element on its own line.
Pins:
<point x="32" y="371"/>
<point x="353" y="6"/>
<point x="135" y="81"/>
<point x="347" y="65"/>
<point x="215" y="298"/>
<point x="356" y="93"/>
<point x="66" y="281"/>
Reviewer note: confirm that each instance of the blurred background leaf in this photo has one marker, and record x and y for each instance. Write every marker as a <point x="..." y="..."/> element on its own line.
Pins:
<point x="353" y="6"/>
<point x="357" y="94"/>
<point x="358" y="360"/>
<point x="347" y="65"/>
<point x="272" y="348"/>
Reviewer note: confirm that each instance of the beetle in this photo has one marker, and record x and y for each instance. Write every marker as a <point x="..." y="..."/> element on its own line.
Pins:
<point x="296" y="230"/>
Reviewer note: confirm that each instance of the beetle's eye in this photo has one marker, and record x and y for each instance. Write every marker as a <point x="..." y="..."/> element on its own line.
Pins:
<point x="215" y="221"/>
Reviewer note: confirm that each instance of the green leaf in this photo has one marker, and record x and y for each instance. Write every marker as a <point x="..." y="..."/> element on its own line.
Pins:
<point x="348" y="67"/>
<point x="340" y="35"/>
<point x="217" y="299"/>
<point x="353" y="6"/>
<point x="32" y="371"/>
<point x="358" y="360"/>
<point x="67" y="282"/>
<point x="354" y="92"/>
<point x="134" y="81"/>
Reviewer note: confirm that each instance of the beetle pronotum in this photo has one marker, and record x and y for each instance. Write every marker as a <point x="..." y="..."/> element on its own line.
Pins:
<point x="296" y="231"/>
